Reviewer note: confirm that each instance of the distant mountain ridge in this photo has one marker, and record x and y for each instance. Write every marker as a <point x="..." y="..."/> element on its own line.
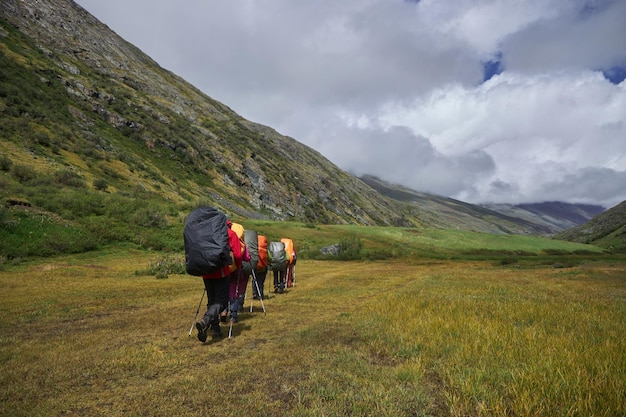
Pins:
<point x="539" y="219"/>
<point x="444" y="211"/>
<point x="556" y="216"/>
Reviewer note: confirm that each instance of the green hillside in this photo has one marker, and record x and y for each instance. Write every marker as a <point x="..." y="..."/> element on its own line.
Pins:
<point x="607" y="230"/>
<point x="84" y="105"/>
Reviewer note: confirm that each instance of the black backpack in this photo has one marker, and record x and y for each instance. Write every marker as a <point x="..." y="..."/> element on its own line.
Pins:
<point x="206" y="241"/>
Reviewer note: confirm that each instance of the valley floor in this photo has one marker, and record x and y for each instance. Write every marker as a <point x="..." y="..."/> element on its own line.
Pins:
<point x="90" y="335"/>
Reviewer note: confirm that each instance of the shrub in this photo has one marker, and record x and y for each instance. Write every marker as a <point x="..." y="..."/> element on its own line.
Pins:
<point x="350" y="249"/>
<point x="69" y="178"/>
<point x="149" y="217"/>
<point x="23" y="173"/>
<point x="508" y="261"/>
<point x="169" y="264"/>
<point x="5" y="163"/>
<point x="100" y="184"/>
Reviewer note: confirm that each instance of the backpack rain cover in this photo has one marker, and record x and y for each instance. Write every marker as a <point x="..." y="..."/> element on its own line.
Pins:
<point x="252" y="242"/>
<point x="206" y="241"/>
<point x="278" y="255"/>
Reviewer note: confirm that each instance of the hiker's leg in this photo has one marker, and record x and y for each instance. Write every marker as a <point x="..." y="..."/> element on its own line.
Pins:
<point x="241" y="289"/>
<point x="210" y="295"/>
<point x="276" y="281"/>
<point x="211" y="312"/>
<point x="281" y="279"/>
<point x="221" y="288"/>
<point x="260" y="279"/>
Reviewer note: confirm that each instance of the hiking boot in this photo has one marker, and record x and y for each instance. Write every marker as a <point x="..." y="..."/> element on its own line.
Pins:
<point x="201" y="331"/>
<point x="216" y="331"/>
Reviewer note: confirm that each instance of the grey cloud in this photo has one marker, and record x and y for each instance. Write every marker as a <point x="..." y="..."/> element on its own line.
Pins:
<point x="588" y="185"/>
<point x="402" y="157"/>
<point x="578" y="39"/>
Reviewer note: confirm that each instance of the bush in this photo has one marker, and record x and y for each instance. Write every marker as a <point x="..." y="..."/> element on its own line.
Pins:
<point x="149" y="217"/>
<point x="5" y="163"/>
<point x="69" y="178"/>
<point x="350" y="249"/>
<point x="169" y="264"/>
<point x="508" y="261"/>
<point x="23" y="173"/>
<point x="100" y="184"/>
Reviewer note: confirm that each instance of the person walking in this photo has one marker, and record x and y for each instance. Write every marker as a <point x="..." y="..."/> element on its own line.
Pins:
<point x="238" y="279"/>
<point x="261" y="269"/>
<point x="278" y="264"/>
<point x="217" y="285"/>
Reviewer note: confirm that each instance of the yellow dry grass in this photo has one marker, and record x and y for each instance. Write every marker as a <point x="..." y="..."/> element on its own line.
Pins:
<point x="87" y="336"/>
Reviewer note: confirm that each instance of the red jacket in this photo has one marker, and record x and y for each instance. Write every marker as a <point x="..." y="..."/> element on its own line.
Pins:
<point x="235" y="247"/>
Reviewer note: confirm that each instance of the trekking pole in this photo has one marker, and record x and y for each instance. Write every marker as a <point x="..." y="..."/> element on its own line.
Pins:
<point x="258" y="291"/>
<point x="252" y="286"/>
<point x="197" y="312"/>
<point x="230" y="327"/>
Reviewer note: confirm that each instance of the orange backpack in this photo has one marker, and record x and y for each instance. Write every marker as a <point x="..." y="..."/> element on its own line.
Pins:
<point x="263" y="262"/>
<point x="288" y="249"/>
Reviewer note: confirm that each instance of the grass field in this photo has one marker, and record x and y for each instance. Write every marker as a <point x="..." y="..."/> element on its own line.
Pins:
<point x="86" y="335"/>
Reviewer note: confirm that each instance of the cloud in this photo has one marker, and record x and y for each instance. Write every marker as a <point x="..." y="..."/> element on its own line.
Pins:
<point x="400" y="156"/>
<point x="537" y="130"/>
<point x="585" y="35"/>
<point x="396" y="88"/>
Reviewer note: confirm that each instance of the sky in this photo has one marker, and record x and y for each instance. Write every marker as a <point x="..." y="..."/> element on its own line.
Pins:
<point x="485" y="101"/>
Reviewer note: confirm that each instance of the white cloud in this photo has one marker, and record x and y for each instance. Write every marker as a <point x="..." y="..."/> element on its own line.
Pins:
<point x="536" y="129"/>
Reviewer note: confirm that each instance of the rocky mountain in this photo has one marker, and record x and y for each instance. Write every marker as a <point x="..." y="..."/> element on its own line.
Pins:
<point x="77" y="96"/>
<point x="85" y="114"/>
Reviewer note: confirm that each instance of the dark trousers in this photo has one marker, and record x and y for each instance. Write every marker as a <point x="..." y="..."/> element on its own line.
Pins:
<point x="279" y="280"/>
<point x="217" y="298"/>
<point x="260" y="281"/>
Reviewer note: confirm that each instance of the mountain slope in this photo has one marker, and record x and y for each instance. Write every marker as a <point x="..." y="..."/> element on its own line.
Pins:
<point x="446" y="212"/>
<point x="76" y="95"/>
<point x="554" y="216"/>
<point x="607" y="230"/>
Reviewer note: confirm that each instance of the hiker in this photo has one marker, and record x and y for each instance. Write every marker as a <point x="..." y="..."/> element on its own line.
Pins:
<point x="291" y="270"/>
<point x="261" y="269"/>
<point x="238" y="279"/>
<point x="279" y="280"/>
<point x="278" y="264"/>
<point x="217" y="288"/>
<point x="291" y="260"/>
